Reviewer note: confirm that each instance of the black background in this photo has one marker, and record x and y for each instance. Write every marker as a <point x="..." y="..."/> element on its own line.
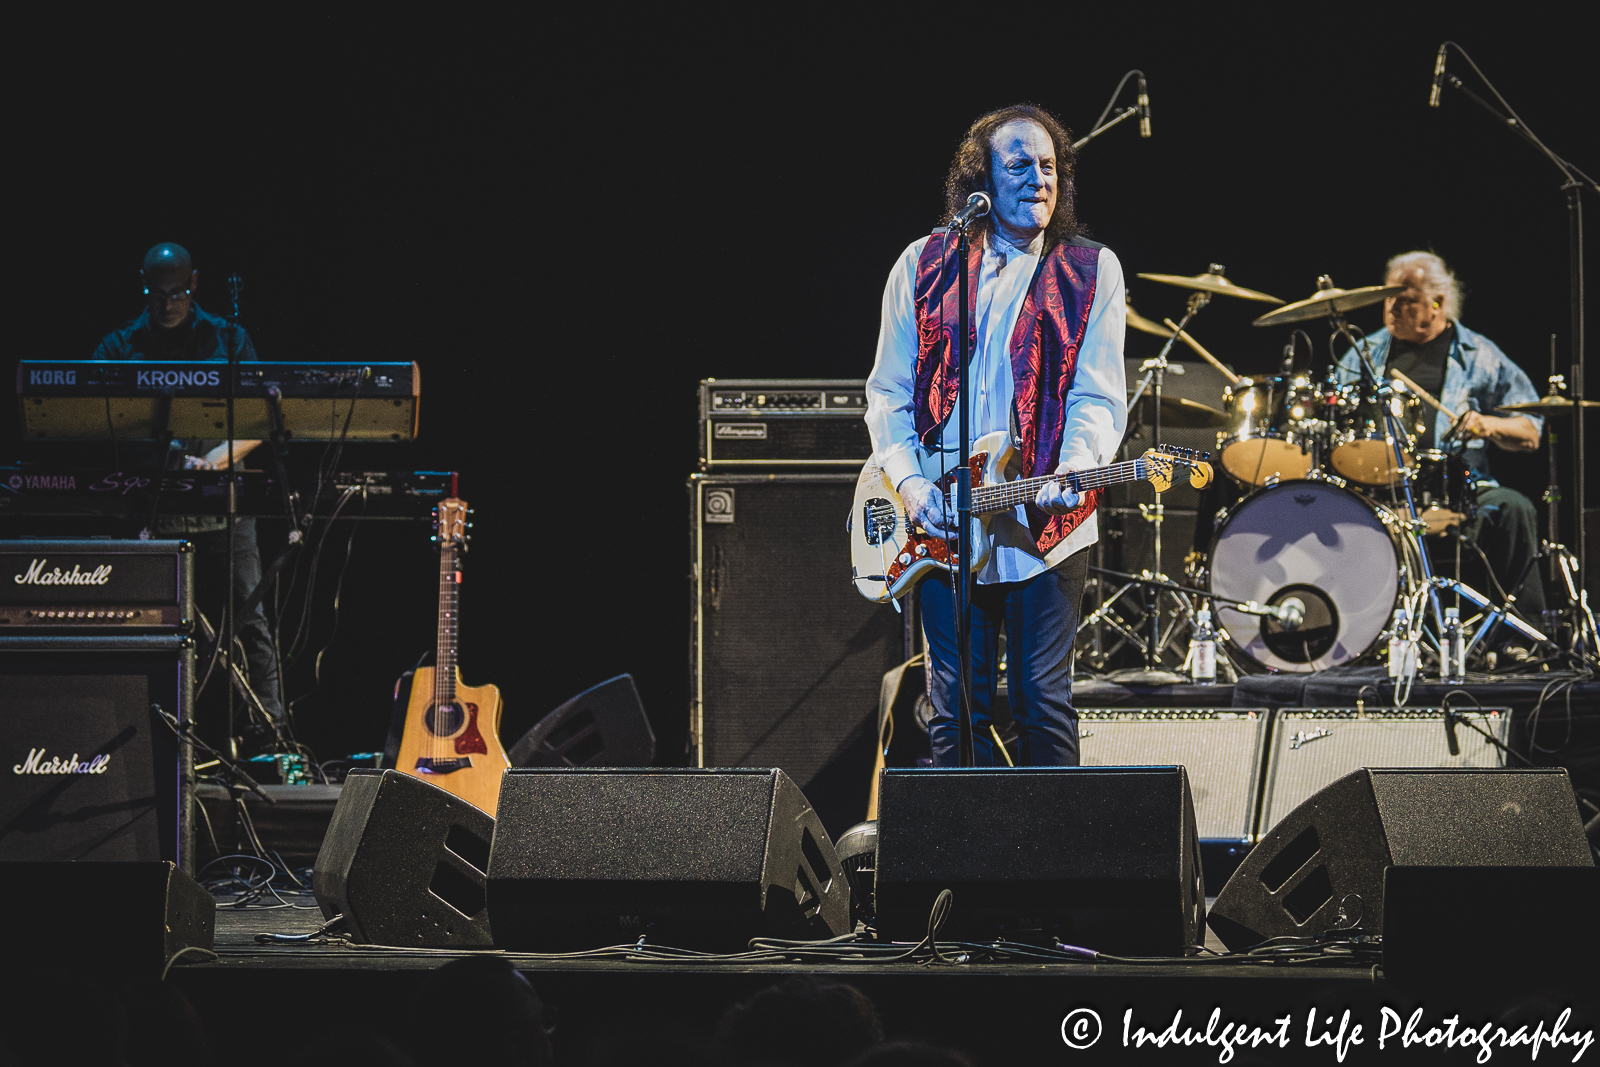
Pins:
<point x="569" y="223"/>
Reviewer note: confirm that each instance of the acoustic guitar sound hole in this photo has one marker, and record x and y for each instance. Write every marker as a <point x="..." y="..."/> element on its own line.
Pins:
<point x="445" y="721"/>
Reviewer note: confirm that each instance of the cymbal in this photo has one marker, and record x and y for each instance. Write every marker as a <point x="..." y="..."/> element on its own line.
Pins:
<point x="1178" y="413"/>
<point x="1211" y="281"/>
<point x="1548" y="405"/>
<point x="1144" y="325"/>
<point x="1327" y="301"/>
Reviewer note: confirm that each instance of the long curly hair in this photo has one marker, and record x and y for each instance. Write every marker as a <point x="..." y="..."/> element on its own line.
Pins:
<point x="970" y="170"/>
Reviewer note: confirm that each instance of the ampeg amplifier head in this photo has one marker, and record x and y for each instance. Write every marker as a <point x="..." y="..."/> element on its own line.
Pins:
<point x="95" y="585"/>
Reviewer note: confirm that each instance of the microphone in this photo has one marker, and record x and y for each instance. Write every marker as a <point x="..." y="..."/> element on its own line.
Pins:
<point x="1144" y="109"/>
<point x="978" y="205"/>
<point x="1450" y="731"/>
<point x="1438" y="78"/>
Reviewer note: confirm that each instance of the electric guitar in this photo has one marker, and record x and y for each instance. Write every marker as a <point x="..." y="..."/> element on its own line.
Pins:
<point x="451" y="736"/>
<point x="888" y="556"/>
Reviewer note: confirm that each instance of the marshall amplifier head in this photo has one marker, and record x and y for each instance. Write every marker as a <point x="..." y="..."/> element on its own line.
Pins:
<point x="61" y="585"/>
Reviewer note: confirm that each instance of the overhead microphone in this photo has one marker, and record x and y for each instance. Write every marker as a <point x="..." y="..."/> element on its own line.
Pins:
<point x="978" y="205"/>
<point x="1438" y="77"/>
<point x="1144" y="109"/>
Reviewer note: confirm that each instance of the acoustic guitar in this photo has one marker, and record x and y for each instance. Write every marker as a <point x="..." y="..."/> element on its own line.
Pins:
<point x="888" y="555"/>
<point x="451" y="736"/>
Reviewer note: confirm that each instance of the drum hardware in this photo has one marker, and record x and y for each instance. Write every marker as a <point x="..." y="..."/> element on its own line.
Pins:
<point x="1200" y="350"/>
<point x="1211" y="282"/>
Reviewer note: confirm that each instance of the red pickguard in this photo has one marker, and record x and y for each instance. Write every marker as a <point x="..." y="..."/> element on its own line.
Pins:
<point x="935" y="548"/>
<point x="469" y="739"/>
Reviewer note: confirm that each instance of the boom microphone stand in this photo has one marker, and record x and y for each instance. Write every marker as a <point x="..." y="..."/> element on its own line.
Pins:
<point x="1573" y="183"/>
<point x="963" y="577"/>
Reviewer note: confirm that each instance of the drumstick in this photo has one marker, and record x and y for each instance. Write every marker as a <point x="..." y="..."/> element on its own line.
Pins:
<point x="1233" y="379"/>
<point x="1420" y="391"/>
<point x="1455" y="420"/>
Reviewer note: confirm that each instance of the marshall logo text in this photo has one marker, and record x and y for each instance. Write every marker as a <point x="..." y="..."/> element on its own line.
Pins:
<point x="37" y="575"/>
<point x="37" y="764"/>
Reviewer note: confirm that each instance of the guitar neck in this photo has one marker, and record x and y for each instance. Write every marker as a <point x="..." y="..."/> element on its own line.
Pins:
<point x="989" y="499"/>
<point x="444" y="674"/>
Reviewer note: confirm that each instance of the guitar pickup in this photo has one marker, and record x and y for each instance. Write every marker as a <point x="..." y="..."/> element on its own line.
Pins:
<point x="429" y="765"/>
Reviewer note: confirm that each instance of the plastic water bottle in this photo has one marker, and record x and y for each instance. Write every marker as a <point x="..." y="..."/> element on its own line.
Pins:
<point x="1203" y="650"/>
<point x="1402" y="649"/>
<point x="1397" y="632"/>
<point x="1454" y="668"/>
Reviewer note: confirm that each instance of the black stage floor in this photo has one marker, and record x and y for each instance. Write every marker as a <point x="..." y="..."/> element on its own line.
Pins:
<point x="997" y="1013"/>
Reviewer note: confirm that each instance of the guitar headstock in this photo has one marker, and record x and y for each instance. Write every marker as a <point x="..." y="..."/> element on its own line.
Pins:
<point x="450" y="523"/>
<point x="1162" y="464"/>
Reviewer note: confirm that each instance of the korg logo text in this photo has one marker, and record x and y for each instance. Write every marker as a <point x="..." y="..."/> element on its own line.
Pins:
<point x="52" y="377"/>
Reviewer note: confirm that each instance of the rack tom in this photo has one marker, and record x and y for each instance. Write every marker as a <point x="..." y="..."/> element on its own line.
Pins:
<point x="1362" y="448"/>
<point x="1267" y="438"/>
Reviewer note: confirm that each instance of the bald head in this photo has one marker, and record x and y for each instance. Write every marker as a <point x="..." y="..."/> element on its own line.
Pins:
<point x="169" y="283"/>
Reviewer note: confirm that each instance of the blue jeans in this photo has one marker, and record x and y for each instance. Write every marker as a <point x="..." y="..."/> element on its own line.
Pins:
<point x="1040" y="617"/>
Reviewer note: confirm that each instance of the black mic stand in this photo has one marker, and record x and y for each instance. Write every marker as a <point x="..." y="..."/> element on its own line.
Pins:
<point x="963" y="576"/>
<point x="1573" y="183"/>
<point x="229" y="623"/>
<point x="1108" y="120"/>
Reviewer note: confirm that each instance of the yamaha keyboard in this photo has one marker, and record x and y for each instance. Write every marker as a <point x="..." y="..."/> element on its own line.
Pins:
<point x="108" y="491"/>
<point x="130" y="400"/>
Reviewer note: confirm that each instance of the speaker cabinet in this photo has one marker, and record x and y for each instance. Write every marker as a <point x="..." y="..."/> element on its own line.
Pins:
<point x="786" y="657"/>
<point x="1221" y="750"/>
<point x="1323" y="865"/>
<point x="123" y="917"/>
<point x="603" y="726"/>
<point x="1100" y="857"/>
<point x="698" y="859"/>
<point x="404" y="863"/>
<point x="1314" y="747"/>
<point x="89" y="770"/>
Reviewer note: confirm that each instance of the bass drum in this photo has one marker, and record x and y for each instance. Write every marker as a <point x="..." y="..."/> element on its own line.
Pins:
<point x="1337" y="556"/>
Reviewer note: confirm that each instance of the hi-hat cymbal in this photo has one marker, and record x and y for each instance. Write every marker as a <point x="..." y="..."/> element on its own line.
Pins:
<point x="1327" y="301"/>
<point x="1184" y="414"/>
<point x="1548" y="405"/>
<point x="1211" y="281"/>
<point x="1144" y="325"/>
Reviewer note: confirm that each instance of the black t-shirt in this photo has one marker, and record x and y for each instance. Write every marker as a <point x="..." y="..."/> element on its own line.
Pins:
<point x="1425" y="365"/>
<point x="200" y="336"/>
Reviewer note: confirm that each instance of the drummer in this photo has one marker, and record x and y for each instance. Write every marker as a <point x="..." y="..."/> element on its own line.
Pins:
<point x="1423" y="338"/>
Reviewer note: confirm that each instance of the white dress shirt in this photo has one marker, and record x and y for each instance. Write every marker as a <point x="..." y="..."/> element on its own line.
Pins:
<point x="1097" y="408"/>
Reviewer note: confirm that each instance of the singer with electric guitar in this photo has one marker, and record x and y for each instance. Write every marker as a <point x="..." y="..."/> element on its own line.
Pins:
<point x="1046" y="377"/>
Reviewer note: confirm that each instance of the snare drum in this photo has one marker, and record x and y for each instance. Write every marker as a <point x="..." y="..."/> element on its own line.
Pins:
<point x="1337" y="556"/>
<point x="1444" y="489"/>
<point x="1266" y="438"/>
<point x="1362" y="449"/>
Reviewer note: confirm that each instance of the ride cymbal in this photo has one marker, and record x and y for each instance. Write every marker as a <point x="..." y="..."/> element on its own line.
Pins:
<point x="1328" y="300"/>
<point x="1548" y="405"/>
<point x="1143" y="325"/>
<point x="1211" y="281"/>
<point x="1178" y="413"/>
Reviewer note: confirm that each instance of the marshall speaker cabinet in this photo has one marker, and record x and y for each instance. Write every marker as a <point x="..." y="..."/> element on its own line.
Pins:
<point x="89" y="767"/>
<point x="96" y="586"/>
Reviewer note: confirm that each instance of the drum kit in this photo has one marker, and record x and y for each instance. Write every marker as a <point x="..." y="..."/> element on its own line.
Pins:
<point x="1307" y="568"/>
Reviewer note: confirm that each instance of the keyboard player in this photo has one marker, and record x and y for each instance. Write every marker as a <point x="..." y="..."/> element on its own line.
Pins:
<point x="174" y="327"/>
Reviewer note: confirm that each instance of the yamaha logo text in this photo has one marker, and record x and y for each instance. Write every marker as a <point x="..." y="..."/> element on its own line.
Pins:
<point x="37" y="575"/>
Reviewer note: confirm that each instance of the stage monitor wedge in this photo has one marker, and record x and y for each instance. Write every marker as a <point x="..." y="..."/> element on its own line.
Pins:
<point x="1105" y="858"/>
<point x="707" y="859"/>
<point x="403" y="861"/>
<point x="1323" y="865"/>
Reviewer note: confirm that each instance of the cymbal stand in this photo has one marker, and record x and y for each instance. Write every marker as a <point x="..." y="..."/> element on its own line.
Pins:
<point x="1155" y="373"/>
<point x="1587" y="638"/>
